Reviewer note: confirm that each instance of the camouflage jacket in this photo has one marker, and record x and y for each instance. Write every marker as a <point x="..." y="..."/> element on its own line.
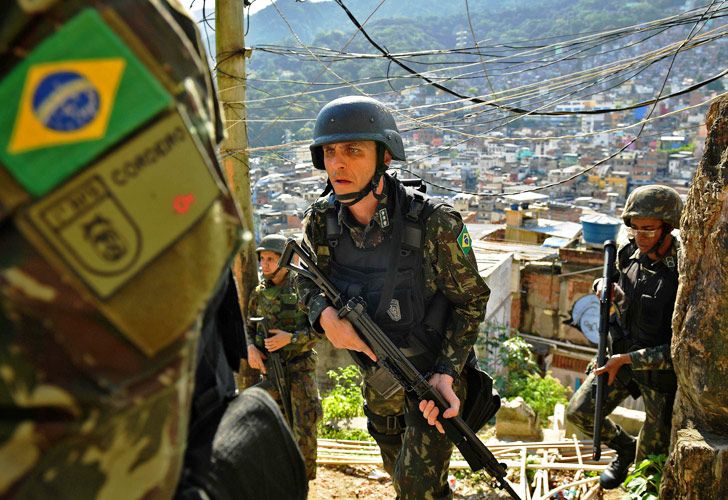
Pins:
<point x="99" y="323"/>
<point x="655" y="357"/>
<point x="279" y="304"/>
<point x="448" y="265"/>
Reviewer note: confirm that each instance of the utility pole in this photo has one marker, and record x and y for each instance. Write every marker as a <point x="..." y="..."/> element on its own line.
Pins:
<point x="230" y="48"/>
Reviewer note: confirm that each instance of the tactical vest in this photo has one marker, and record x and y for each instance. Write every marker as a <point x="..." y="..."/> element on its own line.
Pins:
<point x="649" y="299"/>
<point x="647" y="312"/>
<point x="279" y="304"/>
<point x="391" y="271"/>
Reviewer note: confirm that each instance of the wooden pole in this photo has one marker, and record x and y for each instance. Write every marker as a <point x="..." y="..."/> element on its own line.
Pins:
<point x="230" y="49"/>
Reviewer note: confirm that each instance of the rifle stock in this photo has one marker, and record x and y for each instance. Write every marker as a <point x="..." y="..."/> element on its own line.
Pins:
<point x="391" y="358"/>
<point x="278" y="373"/>
<point x="605" y="304"/>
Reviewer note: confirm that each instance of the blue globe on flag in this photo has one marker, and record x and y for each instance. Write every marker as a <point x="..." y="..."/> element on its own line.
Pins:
<point x="65" y="101"/>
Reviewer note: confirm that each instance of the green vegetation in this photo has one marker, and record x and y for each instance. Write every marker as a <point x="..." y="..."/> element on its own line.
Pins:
<point x="542" y="394"/>
<point x="644" y="482"/>
<point x="521" y="375"/>
<point x="343" y="402"/>
<point x="399" y="27"/>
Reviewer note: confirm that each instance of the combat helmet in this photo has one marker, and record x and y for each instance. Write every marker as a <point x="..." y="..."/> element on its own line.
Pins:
<point x="273" y="243"/>
<point x="654" y="201"/>
<point x="357" y="118"/>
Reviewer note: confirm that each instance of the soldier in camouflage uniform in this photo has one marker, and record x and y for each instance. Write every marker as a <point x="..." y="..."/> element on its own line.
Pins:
<point x="640" y="332"/>
<point x="115" y="231"/>
<point x="276" y="300"/>
<point x="408" y="257"/>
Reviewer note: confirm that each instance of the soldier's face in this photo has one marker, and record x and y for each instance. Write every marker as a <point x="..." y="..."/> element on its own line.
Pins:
<point x="350" y="165"/>
<point x="646" y="231"/>
<point x="268" y="263"/>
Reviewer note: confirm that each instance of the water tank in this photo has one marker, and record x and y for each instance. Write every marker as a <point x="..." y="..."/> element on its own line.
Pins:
<point x="598" y="228"/>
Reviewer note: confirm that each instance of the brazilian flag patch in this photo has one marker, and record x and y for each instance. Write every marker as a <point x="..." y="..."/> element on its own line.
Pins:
<point x="464" y="240"/>
<point x="78" y="93"/>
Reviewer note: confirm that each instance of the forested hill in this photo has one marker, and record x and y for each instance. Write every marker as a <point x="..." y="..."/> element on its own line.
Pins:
<point x="398" y="26"/>
<point x="492" y="19"/>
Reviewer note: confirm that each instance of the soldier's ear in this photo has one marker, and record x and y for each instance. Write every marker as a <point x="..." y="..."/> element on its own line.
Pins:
<point x="387" y="157"/>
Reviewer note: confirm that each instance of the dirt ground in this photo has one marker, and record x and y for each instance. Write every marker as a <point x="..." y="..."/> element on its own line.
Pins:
<point x="359" y="481"/>
<point x="367" y="482"/>
<point x="349" y="482"/>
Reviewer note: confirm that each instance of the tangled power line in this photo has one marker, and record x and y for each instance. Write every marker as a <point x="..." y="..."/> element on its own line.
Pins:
<point x="583" y="67"/>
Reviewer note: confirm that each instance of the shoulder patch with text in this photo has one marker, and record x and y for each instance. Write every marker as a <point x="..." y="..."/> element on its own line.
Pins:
<point x="113" y="219"/>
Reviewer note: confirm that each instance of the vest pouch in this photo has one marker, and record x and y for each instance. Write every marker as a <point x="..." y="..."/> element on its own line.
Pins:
<point x="662" y="381"/>
<point x="650" y="312"/>
<point x="288" y="310"/>
<point x="406" y="308"/>
<point x="482" y="401"/>
<point x="382" y="382"/>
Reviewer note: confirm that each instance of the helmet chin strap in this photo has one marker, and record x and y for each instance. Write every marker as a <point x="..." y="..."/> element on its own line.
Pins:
<point x="350" y="199"/>
<point x="655" y="248"/>
<point x="274" y="274"/>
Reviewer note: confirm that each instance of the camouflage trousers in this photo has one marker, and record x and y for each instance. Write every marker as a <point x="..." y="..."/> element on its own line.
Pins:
<point x="415" y="454"/>
<point x="654" y="437"/>
<point x="305" y="406"/>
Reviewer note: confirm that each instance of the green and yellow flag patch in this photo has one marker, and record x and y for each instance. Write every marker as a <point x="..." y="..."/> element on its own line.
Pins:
<point x="78" y="93"/>
<point x="466" y="244"/>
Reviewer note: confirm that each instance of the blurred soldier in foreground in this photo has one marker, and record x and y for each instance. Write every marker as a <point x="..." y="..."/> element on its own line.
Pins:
<point x="284" y="331"/>
<point x="116" y="229"/>
<point x="412" y="261"/>
<point x="640" y="332"/>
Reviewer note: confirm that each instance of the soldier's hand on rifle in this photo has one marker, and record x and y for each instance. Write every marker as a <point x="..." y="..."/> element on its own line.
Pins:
<point x="255" y="358"/>
<point x="613" y="365"/>
<point x="617" y="292"/>
<point x="443" y="384"/>
<point x="278" y="340"/>
<point x="341" y="334"/>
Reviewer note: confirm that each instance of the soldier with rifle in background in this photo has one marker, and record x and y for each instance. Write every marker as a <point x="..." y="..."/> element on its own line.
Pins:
<point x="280" y="345"/>
<point x="640" y="332"/>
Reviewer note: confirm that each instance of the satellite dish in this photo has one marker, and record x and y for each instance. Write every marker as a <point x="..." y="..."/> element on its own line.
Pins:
<point x="585" y="317"/>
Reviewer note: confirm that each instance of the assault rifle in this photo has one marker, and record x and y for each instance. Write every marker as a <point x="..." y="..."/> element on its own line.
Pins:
<point x="391" y="358"/>
<point x="278" y="372"/>
<point x="605" y="304"/>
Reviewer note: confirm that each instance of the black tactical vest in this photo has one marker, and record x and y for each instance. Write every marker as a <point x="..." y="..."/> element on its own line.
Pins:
<point x="392" y="268"/>
<point x="650" y="290"/>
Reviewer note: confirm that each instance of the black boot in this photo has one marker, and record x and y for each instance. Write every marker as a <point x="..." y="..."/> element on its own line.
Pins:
<point x="626" y="448"/>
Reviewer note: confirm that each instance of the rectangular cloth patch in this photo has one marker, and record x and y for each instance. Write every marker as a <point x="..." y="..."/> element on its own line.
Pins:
<point x="110" y="221"/>
<point x="76" y="94"/>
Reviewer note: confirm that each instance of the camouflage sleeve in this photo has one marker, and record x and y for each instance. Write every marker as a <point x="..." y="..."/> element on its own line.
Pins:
<point x="652" y="358"/>
<point x="309" y="294"/>
<point x="250" y="328"/>
<point x="304" y="334"/>
<point x="456" y="276"/>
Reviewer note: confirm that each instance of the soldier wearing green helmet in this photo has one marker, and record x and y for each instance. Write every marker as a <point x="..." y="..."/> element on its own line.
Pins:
<point x="411" y="259"/>
<point x="289" y="333"/>
<point x="640" y="332"/>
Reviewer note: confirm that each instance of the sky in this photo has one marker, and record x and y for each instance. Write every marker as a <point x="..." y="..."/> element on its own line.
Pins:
<point x="255" y="7"/>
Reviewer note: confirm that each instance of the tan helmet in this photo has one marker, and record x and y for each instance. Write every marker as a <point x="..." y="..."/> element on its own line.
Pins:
<point x="273" y="243"/>
<point x="654" y="201"/>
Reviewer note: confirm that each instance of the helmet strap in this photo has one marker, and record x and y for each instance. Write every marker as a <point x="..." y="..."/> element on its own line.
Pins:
<point x="350" y="199"/>
<point x="276" y="273"/>
<point x="656" y="247"/>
